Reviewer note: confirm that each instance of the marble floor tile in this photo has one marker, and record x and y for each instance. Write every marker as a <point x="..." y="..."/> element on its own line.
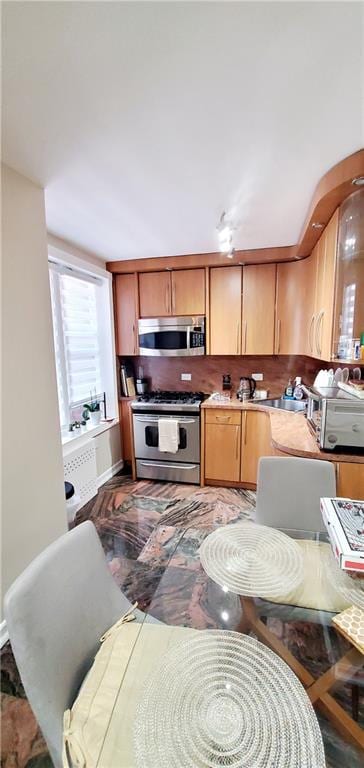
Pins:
<point x="151" y="532"/>
<point x="22" y="744"/>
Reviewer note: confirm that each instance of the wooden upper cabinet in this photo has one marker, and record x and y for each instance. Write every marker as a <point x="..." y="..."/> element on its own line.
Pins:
<point x="155" y="294"/>
<point x="165" y="294"/>
<point x="326" y="277"/>
<point x="188" y="292"/>
<point x="295" y="307"/>
<point x="126" y="313"/>
<point x="323" y="258"/>
<point x="307" y="278"/>
<point x="259" y="296"/>
<point x="225" y="310"/>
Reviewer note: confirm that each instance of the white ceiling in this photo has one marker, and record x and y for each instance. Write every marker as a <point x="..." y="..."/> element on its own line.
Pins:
<point x="143" y="121"/>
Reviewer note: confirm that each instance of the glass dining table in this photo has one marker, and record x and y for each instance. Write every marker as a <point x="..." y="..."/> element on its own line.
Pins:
<point x="239" y="661"/>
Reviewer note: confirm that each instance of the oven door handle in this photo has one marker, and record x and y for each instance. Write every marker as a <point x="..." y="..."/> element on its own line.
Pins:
<point x="146" y="419"/>
<point x="181" y="419"/>
<point x="177" y="465"/>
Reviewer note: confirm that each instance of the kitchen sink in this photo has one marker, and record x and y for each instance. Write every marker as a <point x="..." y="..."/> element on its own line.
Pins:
<point x="286" y="405"/>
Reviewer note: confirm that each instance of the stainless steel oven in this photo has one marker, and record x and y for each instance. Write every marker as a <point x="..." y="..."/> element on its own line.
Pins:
<point x="172" y="336"/>
<point x="182" y="466"/>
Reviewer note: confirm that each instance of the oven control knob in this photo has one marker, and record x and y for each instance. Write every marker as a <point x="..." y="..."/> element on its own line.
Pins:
<point x="356" y="428"/>
<point x="332" y="438"/>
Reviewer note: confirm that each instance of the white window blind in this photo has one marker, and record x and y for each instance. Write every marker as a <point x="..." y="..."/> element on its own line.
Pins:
<point x="76" y="337"/>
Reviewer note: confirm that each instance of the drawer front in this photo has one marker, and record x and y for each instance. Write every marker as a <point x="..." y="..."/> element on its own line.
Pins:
<point x="222" y="416"/>
<point x="174" y="472"/>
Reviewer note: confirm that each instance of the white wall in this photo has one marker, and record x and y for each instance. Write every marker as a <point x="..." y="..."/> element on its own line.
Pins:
<point x="33" y="496"/>
<point x="108" y="449"/>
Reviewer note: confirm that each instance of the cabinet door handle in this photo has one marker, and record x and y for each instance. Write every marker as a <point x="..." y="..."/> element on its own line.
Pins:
<point x="173" y="308"/>
<point x="245" y="429"/>
<point x="223" y="419"/>
<point x="310" y="334"/>
<point x="166" y="299"/>
<point x="134" y="339"/>
<point x="238" y="338"/>
<point x="278" y="336"/>
<point x="321" y="328"/>
<point x="237" y="442"/>
<point x="245" y="333"/>
<point x="318" y="323"/>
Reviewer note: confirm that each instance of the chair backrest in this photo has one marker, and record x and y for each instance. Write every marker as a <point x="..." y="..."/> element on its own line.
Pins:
<point x="56" y="612"/>
<point x="289" y="491"/>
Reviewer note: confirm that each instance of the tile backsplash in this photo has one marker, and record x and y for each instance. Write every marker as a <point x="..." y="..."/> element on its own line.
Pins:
<point x="206" y="372"/>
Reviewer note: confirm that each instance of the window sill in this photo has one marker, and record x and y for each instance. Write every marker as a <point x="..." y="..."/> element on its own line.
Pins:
<point x="69" y="439"/>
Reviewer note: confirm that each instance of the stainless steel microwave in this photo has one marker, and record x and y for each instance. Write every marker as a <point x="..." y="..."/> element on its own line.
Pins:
<point x="336" y="418"/>
<point x="172" y="336"/>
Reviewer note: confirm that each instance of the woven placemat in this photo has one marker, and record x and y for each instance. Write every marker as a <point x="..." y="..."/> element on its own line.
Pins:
<point x="252" y="560"/>
<point x="225" y="699"/>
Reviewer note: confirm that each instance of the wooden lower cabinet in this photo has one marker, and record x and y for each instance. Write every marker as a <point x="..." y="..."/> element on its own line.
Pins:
<point x="255" y="442"/>
<point x="350" y="480"/>
<point x="126" y="428"/>
<point x="222" y="446"/>
<point x="234" y="443"/>
<point x="235" y="440"/>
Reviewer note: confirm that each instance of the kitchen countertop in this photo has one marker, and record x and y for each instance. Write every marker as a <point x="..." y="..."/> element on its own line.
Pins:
<point x="289" y="430"/>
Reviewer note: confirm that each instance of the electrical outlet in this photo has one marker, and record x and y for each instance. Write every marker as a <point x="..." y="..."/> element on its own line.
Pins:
<point x="257" y="376"/>
<point x="186" y="376"/>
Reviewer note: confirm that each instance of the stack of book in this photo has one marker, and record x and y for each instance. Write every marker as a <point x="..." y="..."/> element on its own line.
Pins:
<point x="127" y="382"/>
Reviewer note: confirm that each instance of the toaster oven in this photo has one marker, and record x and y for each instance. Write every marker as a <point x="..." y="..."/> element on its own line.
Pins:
<point x="336" y="418"/>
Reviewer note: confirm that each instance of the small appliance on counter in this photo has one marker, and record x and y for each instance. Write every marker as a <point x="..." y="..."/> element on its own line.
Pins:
<point x="246" y="388"/>
<point x="142" y="386"/>
<point x="335" y="417"/>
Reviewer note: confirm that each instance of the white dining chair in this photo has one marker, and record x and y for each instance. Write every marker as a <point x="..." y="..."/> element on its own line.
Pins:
<point x="56" y="612"/>
<point x="289" y="491"/>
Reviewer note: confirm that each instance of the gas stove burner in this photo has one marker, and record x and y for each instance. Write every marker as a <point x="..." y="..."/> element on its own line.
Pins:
<point x="171" y="397"/>
<point x="165" y="400"/>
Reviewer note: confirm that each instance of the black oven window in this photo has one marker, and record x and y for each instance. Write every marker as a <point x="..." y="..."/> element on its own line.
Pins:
<point x="164" y="340"/>
<point x="151" y="437"/>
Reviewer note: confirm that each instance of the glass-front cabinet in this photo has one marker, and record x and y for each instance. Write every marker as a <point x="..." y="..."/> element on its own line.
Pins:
<point x="348" y="335"/>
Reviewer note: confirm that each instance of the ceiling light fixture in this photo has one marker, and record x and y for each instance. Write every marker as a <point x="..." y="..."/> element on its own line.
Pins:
<point x="317" y="225"/>
<point x="225" y="235"/>
<point x="359" y="181"/>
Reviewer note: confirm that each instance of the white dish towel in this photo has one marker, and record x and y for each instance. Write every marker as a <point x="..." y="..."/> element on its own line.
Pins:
<point x="168" y="435"/>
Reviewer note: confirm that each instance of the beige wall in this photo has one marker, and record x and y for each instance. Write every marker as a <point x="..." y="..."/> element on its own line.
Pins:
<point x="108" y="449"/>
<point x="72" y="250"/>
<point x="33" y="506"/>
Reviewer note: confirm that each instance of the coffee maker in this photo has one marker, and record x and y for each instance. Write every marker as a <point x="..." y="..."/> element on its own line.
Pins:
<point x="246" y="388"/>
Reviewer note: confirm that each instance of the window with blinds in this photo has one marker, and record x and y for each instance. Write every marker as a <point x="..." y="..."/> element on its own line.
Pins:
<point x="76" y="327"/>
